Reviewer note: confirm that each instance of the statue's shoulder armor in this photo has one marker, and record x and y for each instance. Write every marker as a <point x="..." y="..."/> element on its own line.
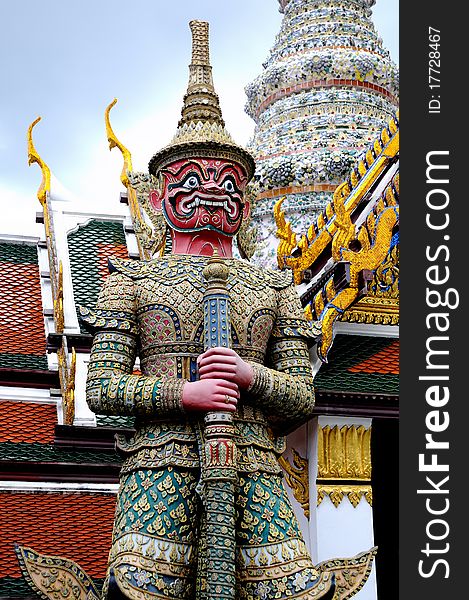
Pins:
<point x="171" y="269"/>
<point x="167" y="268"/>
<point x="115" y="305"/>
<point x="278" y="279"/>
<point x="135" y="269"/>
<point x="258" y="276"/>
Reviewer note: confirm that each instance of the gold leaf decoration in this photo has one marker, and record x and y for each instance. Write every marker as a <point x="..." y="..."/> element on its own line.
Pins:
<point x="347" y="197"/>
<point x="297" y="478"/>
<point x="285" y="233"/>
<point x="66" y="370"/>
<point x="351" y="574"/>
<point x="142" y="231"/>
<point x="33" y="157"/>
<point x="115" y="143"/>
<point x="373" y="248"/>
<point x="58" y="301"/>
<point x="338" y="492"/>
<point x="54" y="577"/>
<point x="344" y="454"/>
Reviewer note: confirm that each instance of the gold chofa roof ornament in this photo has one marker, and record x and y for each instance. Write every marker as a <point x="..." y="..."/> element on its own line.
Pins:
<point x="201" y="130"/>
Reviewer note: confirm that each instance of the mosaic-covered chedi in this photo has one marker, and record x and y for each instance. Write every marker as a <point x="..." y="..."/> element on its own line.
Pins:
<point x="325" y="91"/>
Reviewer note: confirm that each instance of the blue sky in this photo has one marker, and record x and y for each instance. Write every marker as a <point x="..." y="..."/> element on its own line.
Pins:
<point x="65" y="61"/>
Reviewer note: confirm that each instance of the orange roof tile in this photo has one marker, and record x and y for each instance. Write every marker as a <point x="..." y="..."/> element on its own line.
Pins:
<point x="77" y="526"/>
<point x="27" y="422"/>
<point x="384" y="362"/>
<point x="106" y="251"/>
<point x="21" y="319"/>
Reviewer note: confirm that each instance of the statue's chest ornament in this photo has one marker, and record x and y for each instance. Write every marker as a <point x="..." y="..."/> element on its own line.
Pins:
<point x="159" y="323"/>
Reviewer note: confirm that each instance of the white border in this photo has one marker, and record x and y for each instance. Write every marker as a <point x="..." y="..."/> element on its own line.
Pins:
<point x="50" y="486"/>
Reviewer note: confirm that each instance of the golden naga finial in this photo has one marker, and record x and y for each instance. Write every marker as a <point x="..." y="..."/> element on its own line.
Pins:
<point x="66" y="370"/>
<point x="337" y="215"/>
<point x="285" y="233"/>
<point x="335" y="226"/>
<point x="345" y="229"/>
<point x="115" y="143"/>
<point x="330" y="304"/>
<point x="33" y="157"/>
<point x="141" y="229"/>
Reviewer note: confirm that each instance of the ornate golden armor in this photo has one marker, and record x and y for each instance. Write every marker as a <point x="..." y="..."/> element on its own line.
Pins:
<point x="155" y="310"/>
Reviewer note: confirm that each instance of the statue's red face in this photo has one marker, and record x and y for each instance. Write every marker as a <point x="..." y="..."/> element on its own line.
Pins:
<point x="202" y="194"/>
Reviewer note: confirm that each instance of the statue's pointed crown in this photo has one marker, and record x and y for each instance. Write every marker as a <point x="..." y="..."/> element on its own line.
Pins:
<point x="201" y="130"/>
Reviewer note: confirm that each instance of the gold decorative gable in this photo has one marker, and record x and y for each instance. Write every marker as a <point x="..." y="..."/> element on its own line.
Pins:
<point x="357" y="231"/>
<point x="66" y="360"/>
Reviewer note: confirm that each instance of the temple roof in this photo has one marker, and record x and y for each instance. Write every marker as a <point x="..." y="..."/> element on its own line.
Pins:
<point x="384" y="362"/>
<point x="90" y="247"/>
<point x="26" y="452"/>
<point x="361" y="364"/>
<point x="28" y="444"/>
<point x="27" y="422"/>
<point x="49" y="522"/>
<point x="30" y="451"/>
<point x="22" y="334"/>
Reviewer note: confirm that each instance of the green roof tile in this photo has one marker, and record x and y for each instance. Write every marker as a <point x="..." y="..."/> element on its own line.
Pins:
<point x="110" y="421"/>
<point x="18" y="253"/>
<point x="35" y="452"/>
<point x="349" y="351"/>
<point x="22" y="361"/>
<point x="13" y="587"/>
<point x="22" y="334"/>
<point x="89" y="247"/>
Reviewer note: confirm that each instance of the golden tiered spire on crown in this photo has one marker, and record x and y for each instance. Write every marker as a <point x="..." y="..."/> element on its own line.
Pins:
<point x="201" y="129"/>
<point x="200" y="102"/>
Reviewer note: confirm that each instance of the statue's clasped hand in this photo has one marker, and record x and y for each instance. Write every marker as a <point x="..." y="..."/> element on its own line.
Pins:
<point x="224" y="363"/>
<point x="223" y="373"/>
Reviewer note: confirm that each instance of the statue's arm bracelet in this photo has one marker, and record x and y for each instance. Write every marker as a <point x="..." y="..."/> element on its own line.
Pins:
<point x="113" y="389"/>
<point x="286" y="390"/>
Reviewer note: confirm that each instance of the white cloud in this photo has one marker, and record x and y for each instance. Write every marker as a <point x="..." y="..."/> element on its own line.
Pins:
<point x="19" y="212"/>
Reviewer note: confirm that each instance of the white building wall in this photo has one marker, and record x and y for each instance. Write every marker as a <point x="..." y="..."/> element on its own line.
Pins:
<point x="332" y="532"/>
